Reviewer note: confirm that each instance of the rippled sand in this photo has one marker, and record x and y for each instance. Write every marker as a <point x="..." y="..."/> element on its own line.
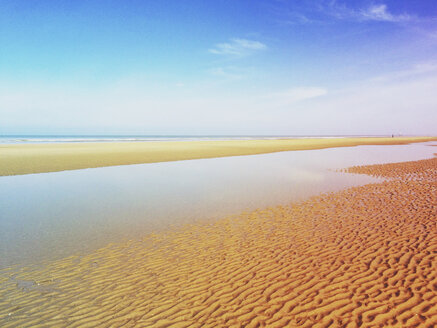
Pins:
<point x="363" y="257"/>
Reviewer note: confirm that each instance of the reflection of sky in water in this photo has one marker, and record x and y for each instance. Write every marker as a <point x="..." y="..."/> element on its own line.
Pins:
<point x="56" y="214"/>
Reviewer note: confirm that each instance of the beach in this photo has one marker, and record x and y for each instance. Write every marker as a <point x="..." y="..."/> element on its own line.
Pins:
<point x="361" y="257"/>
<point x="218" y="164"/>
<point x="16" y="159"/>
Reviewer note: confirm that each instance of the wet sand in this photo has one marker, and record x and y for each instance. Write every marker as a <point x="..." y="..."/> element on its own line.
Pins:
<point x="38" y="158"/>
<point x="362" y="257"/>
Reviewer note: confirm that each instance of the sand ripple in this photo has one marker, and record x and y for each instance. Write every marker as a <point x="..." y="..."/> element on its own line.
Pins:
<point x="363" y="257"/>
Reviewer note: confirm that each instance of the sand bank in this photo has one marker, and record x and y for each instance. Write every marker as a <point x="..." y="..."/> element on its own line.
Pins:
<point x="363" y="257"/>
<point x="37" y="158"/>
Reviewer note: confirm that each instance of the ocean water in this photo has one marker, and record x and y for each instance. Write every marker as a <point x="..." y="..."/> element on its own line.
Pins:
<point x="22" y="139"/>
<point x="53" y="215"/>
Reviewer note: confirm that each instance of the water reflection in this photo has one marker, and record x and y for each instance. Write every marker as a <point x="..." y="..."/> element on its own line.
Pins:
<point x="51" y="215"/>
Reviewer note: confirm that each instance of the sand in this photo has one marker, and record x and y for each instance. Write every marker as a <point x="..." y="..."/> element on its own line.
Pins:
<point x="18" y="159"/>
<point x="362" y="257"/>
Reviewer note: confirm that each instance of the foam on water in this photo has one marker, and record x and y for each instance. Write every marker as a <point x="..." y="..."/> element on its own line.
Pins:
<point x="24" y="139"/>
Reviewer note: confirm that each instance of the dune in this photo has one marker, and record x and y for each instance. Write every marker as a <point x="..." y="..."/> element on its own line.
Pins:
<point x="18" y="159"/>
<point x="362" y="257"/>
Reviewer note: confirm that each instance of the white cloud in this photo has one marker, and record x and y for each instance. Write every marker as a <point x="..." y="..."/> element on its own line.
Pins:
<point x="324" y="11"/>
<point x="416" y="70"/>
<point x="380" y="13"/>
<point x="237" y="47"/>
<point x="384" y="106"/>
<point x="295" y="95"/>
<point x="375" y="12"/>
<point x="297" y="18"/>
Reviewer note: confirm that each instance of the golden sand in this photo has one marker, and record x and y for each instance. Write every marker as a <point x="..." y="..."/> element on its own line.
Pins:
<point x="36" y="158"/>
<point x="363" y="257"/>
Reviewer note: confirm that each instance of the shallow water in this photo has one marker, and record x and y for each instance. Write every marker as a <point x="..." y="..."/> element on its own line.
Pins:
<point x="52" y="215"/>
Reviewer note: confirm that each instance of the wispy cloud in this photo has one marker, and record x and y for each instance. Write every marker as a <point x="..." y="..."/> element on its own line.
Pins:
<point x="375" y="12"/>
<point x="237" y="47"/>
<point x="421" y="69"/>
<point x="380" y="107"/>
<point x="297" y="18"/>
<point x="295" y="95"/>
<point x="325" y="11"/>
<point x="380" y="13"/>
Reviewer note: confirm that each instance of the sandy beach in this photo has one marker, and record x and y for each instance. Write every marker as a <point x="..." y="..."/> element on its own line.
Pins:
<point x="18" y="159"/>
<point x="362" y="257"/>
<point x="218" y="164"/>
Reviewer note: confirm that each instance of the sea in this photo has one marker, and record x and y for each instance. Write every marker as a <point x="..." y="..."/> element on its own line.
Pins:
<point x="24" y="139"/>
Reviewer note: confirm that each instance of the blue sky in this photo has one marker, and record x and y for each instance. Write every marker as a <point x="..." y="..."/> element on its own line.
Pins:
<point x="218" y="67"/>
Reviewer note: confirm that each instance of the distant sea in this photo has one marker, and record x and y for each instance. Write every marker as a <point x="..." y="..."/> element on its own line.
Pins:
<point x="23" y="139"/>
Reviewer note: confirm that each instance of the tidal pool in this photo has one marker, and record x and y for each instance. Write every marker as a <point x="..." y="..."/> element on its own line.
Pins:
<point x="52" y="215"/>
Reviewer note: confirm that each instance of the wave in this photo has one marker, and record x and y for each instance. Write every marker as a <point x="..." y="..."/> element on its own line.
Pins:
<point x="72" y="139"/>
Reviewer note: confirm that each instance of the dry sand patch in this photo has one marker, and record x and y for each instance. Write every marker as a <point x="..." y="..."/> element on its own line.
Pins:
<point x="16" y="159"/>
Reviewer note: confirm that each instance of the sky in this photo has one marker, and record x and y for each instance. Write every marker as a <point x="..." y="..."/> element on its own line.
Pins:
<point x="222" y="67"/>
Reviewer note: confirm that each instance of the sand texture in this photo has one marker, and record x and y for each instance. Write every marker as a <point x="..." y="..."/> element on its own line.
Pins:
<point x="363" y="257"/>
<point x="37" y="158"/>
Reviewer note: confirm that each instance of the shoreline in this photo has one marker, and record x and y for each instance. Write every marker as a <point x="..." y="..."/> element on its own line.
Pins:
<point x="19" y="159"/>
<point x="363" y="257"/>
